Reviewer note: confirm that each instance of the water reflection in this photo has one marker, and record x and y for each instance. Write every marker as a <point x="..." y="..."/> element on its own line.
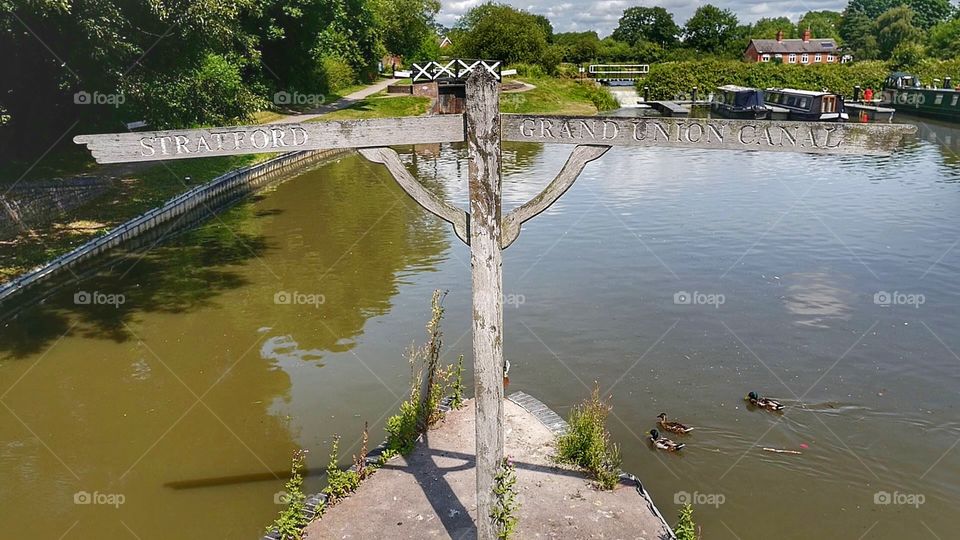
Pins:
<point x="202" y="371"/>
<point x="815" y="298"/>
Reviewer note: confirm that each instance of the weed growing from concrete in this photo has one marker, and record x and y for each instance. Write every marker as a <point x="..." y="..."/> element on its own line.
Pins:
<point x="587" y="442"/>
<point x="340" y="483"/>
<point x="506" y="506"/>
<point x="291" y="521"/>
<point x="686" y="529"/>
<point x="429" y="381"/>
<point x="457" y="400"/>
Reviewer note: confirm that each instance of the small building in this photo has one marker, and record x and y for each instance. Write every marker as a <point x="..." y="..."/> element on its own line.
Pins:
<point x="806" y="50"/>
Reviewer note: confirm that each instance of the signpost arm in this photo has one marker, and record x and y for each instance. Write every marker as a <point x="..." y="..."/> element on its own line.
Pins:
<point x="483" y="149"/>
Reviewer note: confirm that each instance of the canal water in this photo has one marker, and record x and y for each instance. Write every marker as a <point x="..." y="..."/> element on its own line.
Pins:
<point x="164" y="396"/>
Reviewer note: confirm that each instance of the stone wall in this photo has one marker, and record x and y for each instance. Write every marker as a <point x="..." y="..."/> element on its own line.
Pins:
<point x="29" y="204"/>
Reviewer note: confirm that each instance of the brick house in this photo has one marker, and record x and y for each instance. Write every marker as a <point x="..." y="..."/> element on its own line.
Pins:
<point x="806" y="50"/>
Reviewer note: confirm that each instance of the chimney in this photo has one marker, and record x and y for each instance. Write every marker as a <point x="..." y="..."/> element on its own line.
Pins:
<point x="779" y="36"/>
<point x="806" y="35"/>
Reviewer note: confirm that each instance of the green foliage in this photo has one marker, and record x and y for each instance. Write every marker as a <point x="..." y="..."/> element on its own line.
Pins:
<point x="653" y="24"/>
<point x="686" y="529"/>
<point x="822" y="24"/>
<point x="767" y="28"/>
<point x="907" y="55"/>
<point x="670" y="79"/>
<point x="457" y="400"/>
<point x="602" y="99"/>
<point x="291" y="521"/>
<point x="501" y="32"/>
<point x="407" y="25"/>
<point x="587" y="442"/>
<point x="944" y="39"/>
<point x="337" y="73"/>
<point x="505" y="506"/>
<point x="711" y="29"/>
<point x="419" y="412"/>
<point x="895" y="27"/>
<point x="578" y="47"/>
<point x="340" y="483"/>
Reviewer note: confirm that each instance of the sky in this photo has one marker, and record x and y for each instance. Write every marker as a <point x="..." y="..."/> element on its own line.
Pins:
<point x="602" y="15"/>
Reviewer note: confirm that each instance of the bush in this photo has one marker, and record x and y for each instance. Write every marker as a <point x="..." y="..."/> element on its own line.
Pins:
<point x="587" y="442"/>
<point x="529" y="70"/>
<point x="337" y="73"/>
<point x="601" y="98"/>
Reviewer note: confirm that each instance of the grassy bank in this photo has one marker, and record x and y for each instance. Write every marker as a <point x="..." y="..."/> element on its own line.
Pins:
<point x="556" y="95"/>
<point x="381" y="105"/>
<point x="137" y="192"/>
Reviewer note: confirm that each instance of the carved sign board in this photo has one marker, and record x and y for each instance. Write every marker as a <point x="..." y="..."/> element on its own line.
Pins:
<point x="226" y="141"/>
<point x="814" y="137"/>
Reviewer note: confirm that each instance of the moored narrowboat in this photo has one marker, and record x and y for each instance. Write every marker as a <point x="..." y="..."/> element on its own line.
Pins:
<point x="903" y="92"/>
<point x="807" y="105"/>
<point x="732" y="101"/>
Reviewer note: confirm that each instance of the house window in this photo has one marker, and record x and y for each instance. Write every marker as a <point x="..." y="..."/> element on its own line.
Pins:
<point x="830" y="58"/>
<point x="765" y="58"/>
<point x="778" y="57"/>
<point x="818" y="58"/>
<point x="792" y="59"/>
<point x="805" y="59"/>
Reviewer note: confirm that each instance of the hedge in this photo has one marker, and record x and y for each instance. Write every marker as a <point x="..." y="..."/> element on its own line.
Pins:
<point x="671" y="79"/>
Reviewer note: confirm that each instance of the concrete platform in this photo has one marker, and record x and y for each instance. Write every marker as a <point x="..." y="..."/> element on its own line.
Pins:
<point x="431" y="493"/>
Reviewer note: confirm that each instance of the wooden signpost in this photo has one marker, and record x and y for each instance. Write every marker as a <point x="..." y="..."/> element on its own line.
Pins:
<point x="484" y="229"/>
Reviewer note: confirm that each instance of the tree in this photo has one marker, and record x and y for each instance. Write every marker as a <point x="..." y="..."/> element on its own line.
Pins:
<point x="927" y="12"/>
<point x="406" y="24"/>
<point x="579" y="47"/>
<point x="498" y="31"/>
<point x="822" y="24"/>
<point x="545" y="25"/>
<point x="857" y="32"/>
<point x="944" y="39"/>
<point x="895" y="27"/>
<point x="711" y="29"/>
<point x="767" y="28"/>
<point x="653" y="24"/>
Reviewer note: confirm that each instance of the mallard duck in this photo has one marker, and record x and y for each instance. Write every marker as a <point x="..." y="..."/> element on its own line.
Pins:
<point x="675" y="427"/>
<point x="764" y="403"/>
<point x="663" y="443"/>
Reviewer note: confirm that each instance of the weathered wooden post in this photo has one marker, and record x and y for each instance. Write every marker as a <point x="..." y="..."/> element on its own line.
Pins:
<point x="482" y="122"/>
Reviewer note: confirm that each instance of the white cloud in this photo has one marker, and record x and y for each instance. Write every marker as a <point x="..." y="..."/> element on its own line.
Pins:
<point x="603" y="15"/>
